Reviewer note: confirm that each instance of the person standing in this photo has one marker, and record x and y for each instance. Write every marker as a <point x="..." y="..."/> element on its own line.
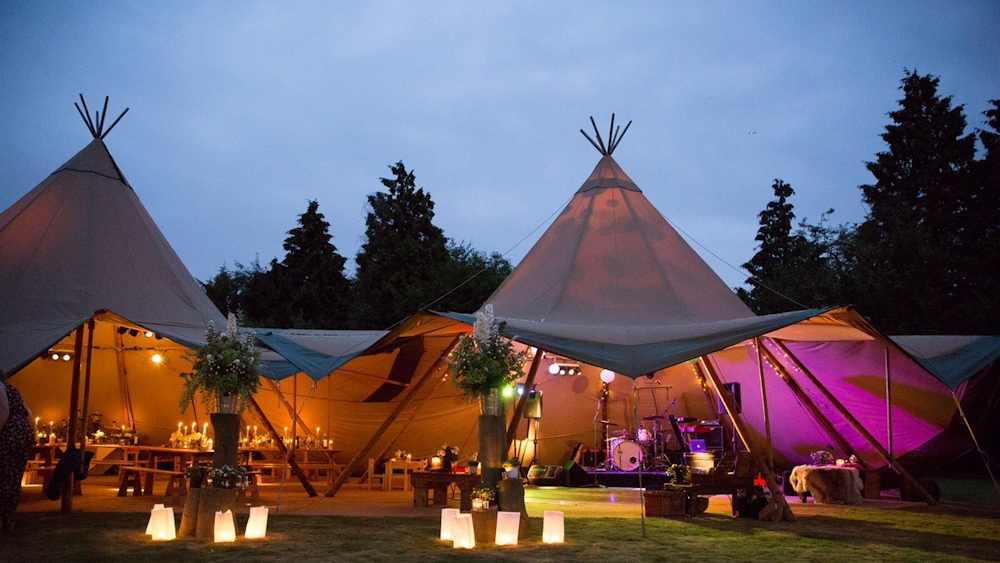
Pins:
<point x="15" y="440"/>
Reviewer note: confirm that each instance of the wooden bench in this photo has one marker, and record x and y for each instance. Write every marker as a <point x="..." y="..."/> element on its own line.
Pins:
<point x="309" y="468"/>
<point x="132" y="476"/>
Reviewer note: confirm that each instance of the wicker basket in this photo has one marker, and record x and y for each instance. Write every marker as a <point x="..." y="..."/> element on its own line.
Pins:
<point x="665" y="503"/>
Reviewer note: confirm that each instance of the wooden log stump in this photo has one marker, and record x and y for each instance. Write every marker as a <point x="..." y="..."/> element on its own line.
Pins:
<point x="484" y="522"/>
<point x="212" y="500"/>
<point x="227" y="439"/>
<point x="189" y="518"/>
<point x="510" y="498"/>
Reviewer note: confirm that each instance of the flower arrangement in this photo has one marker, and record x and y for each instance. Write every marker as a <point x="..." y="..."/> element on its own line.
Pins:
<point x="228" y="364"/>
<point x="486" y="360"/>
<point x="229" y="477"/>
<point x="486" y="493"/>
<point x="448" y="453"/>
<point x="196" y="474"/>
<point x="821" y="457"/>
<point x="680" y="474"/>
<point x="511" y="464"/>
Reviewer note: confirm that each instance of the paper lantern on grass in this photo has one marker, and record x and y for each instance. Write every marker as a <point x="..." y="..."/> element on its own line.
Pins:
<point x="257" y="524"/>
<point x="508" y="524"/>
<point x="225" y="527"/>
<point x="448" y="522"/>
<point x="462" y="532"/>
<point x="149" y="525"/>
<point x="164" y="528"/>
<point x="552" y="527"/>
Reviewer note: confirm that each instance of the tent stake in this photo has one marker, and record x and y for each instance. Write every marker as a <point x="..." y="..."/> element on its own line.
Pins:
<point x="403" y="403"/>
<point x="857" y="425"/>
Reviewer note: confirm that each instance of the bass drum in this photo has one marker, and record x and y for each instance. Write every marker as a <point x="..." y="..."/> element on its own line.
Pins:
<point x="627" y="456"/>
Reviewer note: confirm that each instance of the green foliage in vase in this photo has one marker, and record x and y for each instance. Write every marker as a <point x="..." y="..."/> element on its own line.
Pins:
<point x="227" y="364"/>
<point x="486" y="360"/>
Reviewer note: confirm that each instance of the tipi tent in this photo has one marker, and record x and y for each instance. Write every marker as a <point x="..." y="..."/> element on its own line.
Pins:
<point x="81" y="247"/>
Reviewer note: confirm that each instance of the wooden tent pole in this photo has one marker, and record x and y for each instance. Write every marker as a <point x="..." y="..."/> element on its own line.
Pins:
<point x="858" y="427"/>
<point x="406" y="424"/>
<point x="74" y="402"/>
<point x="810" y="405"/>
<point x="780" y="510"/>
<point x="888" y="402"/>
<point x="763" y="400"/>
<point x="86" y="391"/>
<point x="281" y="448"/>
<point x="975" y="441"/>
<point x="522" y="401"/>
<point x="403" y="403"/>
<point x="123" y="377"/>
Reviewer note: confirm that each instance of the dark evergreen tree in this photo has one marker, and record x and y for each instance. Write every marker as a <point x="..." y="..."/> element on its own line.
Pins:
<point x="910" y="241"/>
<point x="312" y="275"/>
<point x="228" y="288"/>
<point x="403" y="253"/>
<point x="468" y="278"/>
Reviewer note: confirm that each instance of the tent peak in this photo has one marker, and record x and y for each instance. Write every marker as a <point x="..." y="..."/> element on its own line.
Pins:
<point x="614" y="137"/>
<point x="96" y="125"/>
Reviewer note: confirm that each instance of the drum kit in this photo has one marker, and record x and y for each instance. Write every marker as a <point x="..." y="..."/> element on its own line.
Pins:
<point x="646" y="448"/>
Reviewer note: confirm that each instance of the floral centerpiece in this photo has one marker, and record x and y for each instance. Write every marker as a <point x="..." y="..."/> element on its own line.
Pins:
<point x="229" y="477"/>
<point x="485" y="493"/>
<point x="821" y="457"/>
<point x="448" y="455"/>
<point x="196" y="475"/>
<point x="226" y="367"/>
<point x="513" y="468"/>
<point x="486" y="361"/>
<point x="680" y="474"/>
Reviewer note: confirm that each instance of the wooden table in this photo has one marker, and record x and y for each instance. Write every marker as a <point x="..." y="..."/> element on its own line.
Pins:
<point x="424" y="482"/>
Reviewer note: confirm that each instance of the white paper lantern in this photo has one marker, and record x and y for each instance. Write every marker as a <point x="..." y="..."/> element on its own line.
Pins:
<point x="164" y="528"/>
<point x="462" y="532"/>
<point x="149" y="525"/>
<point x="508" y="525"/>
<point x="448" y="522"/>
<point x="225" y="527"/>
<point x="257" y="524"/>
<point x="552" y="527"/>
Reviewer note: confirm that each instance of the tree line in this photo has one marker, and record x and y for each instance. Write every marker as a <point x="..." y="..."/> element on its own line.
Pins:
<point x="924" y="260"/>
<point x="405" y="264"/>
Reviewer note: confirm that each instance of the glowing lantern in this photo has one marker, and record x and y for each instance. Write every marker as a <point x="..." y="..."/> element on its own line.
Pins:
<point x="448" y="522"/>
<point x="436" y="463"/>
<point x="508" y="524"/>
<point x="161" y="524"/>
<point x="462" y="532"/>
<point x="552" y="527"/>
<point x="149" y="525"/>
<point x="225" y="527"/>
<point x="607" y="376"/>
<point x="257" y="524"/>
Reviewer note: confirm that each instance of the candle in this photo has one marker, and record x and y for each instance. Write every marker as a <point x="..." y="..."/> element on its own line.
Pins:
<point x="185" y="430"/>
<point x="248" y="430"/>
<point x="204" y="429"/>
<point x="254" y="431"/>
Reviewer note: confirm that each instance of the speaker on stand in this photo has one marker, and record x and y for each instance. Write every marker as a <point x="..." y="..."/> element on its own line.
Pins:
<point x="533" y="412"/>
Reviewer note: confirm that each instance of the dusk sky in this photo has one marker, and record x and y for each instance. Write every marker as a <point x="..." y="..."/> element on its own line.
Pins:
<point x="242" y="112"/>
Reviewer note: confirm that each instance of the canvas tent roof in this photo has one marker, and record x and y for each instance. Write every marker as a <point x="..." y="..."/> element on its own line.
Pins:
<point x="79" y="243"/>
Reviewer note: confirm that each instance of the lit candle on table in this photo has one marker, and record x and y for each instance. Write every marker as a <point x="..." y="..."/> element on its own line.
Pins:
<point x="204" y="429"/>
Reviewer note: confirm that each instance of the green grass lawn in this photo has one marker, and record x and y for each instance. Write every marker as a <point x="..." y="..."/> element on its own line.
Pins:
<point x="917" y="533"/>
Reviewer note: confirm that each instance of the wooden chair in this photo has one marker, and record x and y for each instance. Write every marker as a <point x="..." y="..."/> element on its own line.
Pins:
<point x="371" y="475"/>
<point x="391" y="477"/>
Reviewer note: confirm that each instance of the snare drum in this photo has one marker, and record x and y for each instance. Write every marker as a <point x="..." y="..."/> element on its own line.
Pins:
<point x="626" y="455"/>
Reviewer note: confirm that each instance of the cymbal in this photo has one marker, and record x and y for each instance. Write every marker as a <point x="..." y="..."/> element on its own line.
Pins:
<point x="621" y="433"/>
<point x="606" y="423"/>
<point x="653" y="417"/>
